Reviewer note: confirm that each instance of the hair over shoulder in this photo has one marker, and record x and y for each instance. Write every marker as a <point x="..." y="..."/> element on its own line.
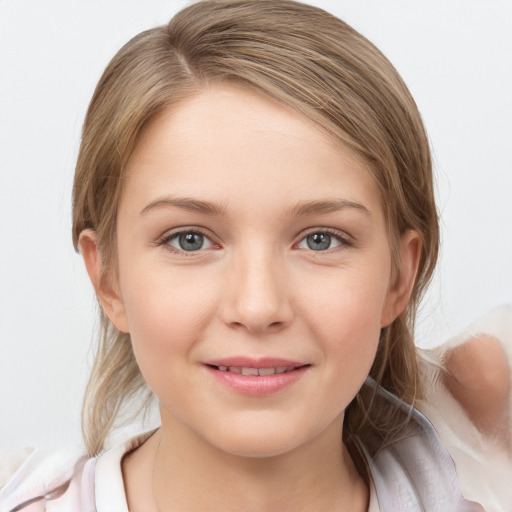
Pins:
<point x="306" y="59"/>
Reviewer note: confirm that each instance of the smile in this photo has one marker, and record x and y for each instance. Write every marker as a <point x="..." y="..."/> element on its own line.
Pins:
<point x="256" y="377"/>
<point x="243" y="370"/>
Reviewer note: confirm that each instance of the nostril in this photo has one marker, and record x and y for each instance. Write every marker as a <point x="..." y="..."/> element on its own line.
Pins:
<point x="265" y="328"/>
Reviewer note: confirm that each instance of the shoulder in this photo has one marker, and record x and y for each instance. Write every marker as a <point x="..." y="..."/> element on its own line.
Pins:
<point x="476" y="371"/>
<point x="60" y="480"/>
<point x="468" y="399"/>
<point x="10" y="462"/>
<point x="478" y="377"/>
<point x="41" y="477"/>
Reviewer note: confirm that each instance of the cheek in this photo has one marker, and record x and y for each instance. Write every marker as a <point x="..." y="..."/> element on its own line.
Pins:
<point x="345" y="315"/>
<point x="166" y="313"/>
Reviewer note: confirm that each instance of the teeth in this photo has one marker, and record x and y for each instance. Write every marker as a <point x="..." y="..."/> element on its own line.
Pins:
<point x="242" y="370"/>
<point x="266" y="371"/>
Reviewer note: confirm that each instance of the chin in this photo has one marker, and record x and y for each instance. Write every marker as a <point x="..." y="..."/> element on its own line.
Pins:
<point x="259" y="445"/>
<point x="264" y="438"/>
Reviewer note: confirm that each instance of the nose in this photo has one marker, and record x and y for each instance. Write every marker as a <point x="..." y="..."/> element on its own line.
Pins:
<point x="258" y="296"/>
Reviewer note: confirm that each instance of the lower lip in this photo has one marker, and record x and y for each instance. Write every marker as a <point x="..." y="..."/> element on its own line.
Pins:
<point x="257" y="385"/>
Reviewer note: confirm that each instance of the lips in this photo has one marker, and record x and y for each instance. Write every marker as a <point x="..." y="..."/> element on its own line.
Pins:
<point x="244" y="370"/>
<point x="256" y="377"/>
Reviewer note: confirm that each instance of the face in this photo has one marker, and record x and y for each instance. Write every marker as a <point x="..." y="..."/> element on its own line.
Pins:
<point x="254" y="272"/>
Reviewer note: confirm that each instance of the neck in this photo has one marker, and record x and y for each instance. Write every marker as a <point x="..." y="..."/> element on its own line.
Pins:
<point x="189" y="474"/>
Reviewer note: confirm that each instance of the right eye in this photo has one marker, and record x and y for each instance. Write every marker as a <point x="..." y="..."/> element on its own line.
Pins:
<point x="323" y="241"/>
<point x="188" y="241"/>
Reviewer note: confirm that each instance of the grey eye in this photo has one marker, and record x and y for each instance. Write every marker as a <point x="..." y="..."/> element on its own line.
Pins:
<point x="318" y="241"/>
<point x="190" y="241"/>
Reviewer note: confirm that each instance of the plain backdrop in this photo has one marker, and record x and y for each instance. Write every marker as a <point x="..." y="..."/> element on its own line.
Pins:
<point x="456" y="57"/>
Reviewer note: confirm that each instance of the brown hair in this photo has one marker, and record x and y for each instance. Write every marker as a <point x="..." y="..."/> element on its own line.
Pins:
<point x="304" y="58"/>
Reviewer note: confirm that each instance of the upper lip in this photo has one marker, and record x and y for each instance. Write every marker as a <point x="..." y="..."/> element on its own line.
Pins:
<point x="261" y="362"/>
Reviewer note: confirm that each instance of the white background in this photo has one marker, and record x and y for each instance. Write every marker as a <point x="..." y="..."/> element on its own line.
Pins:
<point x="456" y="57"/>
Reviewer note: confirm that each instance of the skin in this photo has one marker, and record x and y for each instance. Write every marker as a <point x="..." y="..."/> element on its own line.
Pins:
<point x="478" y="377"/>
<point x="254" y="289"/>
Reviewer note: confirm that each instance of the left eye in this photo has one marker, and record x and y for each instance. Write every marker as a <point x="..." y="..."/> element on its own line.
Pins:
<point x="189" y="241"/>
<point x="320" y="241"/>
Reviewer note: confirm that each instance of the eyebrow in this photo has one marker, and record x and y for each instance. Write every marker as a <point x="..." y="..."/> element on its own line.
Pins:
<point x="185" y="203"/>
<point x="300" y="209"/>
<point x="326" y="206"/>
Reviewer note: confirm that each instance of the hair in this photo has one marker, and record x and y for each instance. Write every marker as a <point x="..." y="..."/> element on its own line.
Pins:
<point x="306" y="59"/>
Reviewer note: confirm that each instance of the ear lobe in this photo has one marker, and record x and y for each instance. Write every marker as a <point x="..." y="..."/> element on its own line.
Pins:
<point x="400" y="292"/>
<point x="102" y="280"/>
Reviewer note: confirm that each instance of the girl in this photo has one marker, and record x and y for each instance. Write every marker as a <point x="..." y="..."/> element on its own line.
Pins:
<point x="253" y="201"/>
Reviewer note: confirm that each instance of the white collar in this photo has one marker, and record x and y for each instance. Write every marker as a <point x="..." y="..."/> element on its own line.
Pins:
<point x="109" y="485"/>
<point x="108" y="480"/>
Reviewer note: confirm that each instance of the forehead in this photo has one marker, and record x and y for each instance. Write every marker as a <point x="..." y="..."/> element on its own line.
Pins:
<point x="231" y="146"/>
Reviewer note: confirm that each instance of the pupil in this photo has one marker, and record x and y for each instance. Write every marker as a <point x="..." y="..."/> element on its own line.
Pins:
<point x="319" y="241"/>
<point x="191" y="241"/>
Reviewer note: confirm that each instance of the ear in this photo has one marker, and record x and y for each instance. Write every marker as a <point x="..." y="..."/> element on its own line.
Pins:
<point x="400" y="292"/>
<point x="103" y="281"/>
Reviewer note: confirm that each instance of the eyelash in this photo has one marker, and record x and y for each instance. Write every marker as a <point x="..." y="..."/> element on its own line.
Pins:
<point x="168" y="237"/>
<point x="344" y="240"/>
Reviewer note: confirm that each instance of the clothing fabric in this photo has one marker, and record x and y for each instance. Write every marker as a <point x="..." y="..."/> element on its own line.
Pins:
<point x="439" y="464"/>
